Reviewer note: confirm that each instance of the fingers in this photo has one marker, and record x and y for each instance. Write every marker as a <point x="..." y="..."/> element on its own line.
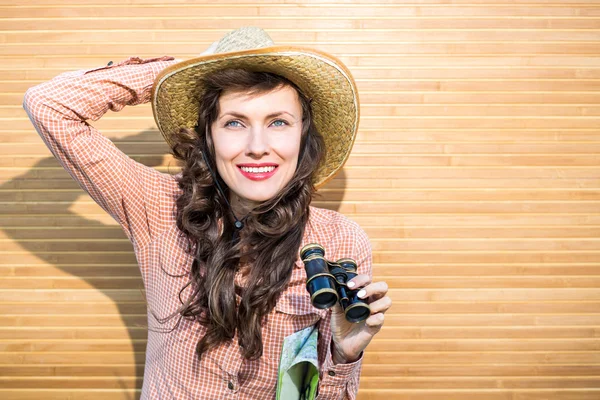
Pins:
<point x="379" y="302"/>
<point x="373" y="291"/>
<point x="359" y="281"/>
<point x="378" y="309"/>
<point x="381" y="305"/>
<point x="375" y="323"/>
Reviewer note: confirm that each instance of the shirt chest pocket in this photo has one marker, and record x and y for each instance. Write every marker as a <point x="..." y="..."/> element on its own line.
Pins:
<point x="293" y="312"/>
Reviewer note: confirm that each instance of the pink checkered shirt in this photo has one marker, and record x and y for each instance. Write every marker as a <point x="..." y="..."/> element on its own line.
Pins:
<point x="142" y="200"/>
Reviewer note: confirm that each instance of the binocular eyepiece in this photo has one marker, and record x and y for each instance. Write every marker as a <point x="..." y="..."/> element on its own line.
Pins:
<point x="326" y="282"/>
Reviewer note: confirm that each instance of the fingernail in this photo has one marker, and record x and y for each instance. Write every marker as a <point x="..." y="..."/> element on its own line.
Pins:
<point x="362" y="293"/>
<point x="351" y="284"/>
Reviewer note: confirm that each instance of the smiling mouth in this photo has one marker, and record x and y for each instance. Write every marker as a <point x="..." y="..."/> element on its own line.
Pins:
<point x="258" y="170"/>
<point x="258" y="173"/>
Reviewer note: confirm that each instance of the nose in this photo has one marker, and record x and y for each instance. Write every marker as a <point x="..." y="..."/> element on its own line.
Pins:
<point x="258" y="143"/>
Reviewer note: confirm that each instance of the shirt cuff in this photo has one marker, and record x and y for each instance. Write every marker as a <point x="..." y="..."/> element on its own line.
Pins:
<point x="129" y="61"/>
<point x="338" y="374"/>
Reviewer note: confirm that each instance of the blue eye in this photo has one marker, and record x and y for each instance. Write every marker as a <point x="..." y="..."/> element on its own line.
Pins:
<point x="232" y="121"/>
<point x="284" y="123"/>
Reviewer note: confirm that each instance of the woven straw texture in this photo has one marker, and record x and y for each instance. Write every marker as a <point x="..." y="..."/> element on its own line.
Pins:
<point x="177" y="89"/>
<point x="244" y="38"/>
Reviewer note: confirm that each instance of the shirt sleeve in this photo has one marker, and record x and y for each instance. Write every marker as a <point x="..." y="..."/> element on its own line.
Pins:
<point x="59" y="109"/>
<point x="340" y="381"/>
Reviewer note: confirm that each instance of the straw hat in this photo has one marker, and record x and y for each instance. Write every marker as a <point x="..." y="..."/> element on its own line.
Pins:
<point x="322" y="77"/>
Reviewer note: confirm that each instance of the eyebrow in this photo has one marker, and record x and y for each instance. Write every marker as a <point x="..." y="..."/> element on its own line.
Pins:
<point x="242" y="116"/>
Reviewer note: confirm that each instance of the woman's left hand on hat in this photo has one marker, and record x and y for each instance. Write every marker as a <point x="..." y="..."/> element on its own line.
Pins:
<point x="350" y="339"/>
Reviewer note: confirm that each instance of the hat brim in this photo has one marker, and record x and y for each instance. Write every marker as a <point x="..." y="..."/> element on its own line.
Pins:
<point x="322" y="77"/>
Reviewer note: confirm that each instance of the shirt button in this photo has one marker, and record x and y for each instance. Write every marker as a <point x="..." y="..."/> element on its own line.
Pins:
<point x="331" y="372"/>
<point x="230" y="385"/>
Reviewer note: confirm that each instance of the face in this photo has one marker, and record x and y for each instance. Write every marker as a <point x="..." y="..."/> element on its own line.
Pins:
<point x="257" y="143"/>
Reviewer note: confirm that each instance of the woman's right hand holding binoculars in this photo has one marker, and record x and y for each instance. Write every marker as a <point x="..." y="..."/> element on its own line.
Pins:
<point x="351" y="339"/>
<point x="357" y="315"/>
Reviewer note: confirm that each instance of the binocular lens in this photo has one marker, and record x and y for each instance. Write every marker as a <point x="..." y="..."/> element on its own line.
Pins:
<point x="322" y="290"/>
<point x="357" y="312"/>
<point x="312" y="249"/>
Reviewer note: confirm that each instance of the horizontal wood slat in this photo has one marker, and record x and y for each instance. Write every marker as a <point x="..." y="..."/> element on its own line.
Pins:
<point x="424" y="358"/>
<point x="313" y="3"/>
<point x="315" y="23"/>
<point x="122" y="50"/>
<point x="389" y="244"/>
<point x="366" y="382"/>
<point x="66" y="63"/>
<point x="475" y="173"/>
<point x="387" y="371"/>
<point x="303" y="37"/>
<point x="299" y="11"/>
<point x="379" y="394"/>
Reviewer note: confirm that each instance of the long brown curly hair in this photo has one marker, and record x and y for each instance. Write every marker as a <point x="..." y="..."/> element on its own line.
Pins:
<point x="272" y="232"/>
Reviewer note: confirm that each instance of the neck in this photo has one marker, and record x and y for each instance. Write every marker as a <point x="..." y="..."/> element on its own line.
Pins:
<point x="241" y="207"/>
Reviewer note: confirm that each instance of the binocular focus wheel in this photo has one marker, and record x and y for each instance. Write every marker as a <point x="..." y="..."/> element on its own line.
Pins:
<point x="348" y="264"/>
<point x="314" y="257"/>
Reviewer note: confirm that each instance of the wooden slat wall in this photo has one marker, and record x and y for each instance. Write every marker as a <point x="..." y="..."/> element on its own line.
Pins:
<point x="476" y="174"/>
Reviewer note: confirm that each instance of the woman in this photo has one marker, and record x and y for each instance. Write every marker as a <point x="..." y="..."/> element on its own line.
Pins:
<point x="257" y="128"/>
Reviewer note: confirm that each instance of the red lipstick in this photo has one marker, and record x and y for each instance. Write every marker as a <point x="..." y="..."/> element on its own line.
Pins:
<point x="257" y="176"/>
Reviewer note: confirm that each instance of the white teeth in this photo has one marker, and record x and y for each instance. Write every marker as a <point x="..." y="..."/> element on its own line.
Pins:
<point x="255" y="170"/>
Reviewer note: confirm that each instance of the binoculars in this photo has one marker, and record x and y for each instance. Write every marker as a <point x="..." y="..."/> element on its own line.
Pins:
<point x="326" y="283"/>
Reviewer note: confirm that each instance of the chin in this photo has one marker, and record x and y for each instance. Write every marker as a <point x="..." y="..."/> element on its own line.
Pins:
<point x="260" y="197"/>
<point x="258" y="194"/>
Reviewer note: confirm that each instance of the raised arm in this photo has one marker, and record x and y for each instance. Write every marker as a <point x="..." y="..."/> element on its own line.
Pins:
<point x="129" y="191"/>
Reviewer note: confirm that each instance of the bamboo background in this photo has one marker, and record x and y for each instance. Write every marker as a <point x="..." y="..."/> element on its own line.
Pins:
<point x="476" y="174"/>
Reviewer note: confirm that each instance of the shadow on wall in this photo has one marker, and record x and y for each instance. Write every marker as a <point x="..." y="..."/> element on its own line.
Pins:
<point x="57" y="253"/>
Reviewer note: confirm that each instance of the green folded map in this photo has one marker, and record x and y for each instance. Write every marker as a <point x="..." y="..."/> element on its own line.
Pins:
<point x="298" y="376"/>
